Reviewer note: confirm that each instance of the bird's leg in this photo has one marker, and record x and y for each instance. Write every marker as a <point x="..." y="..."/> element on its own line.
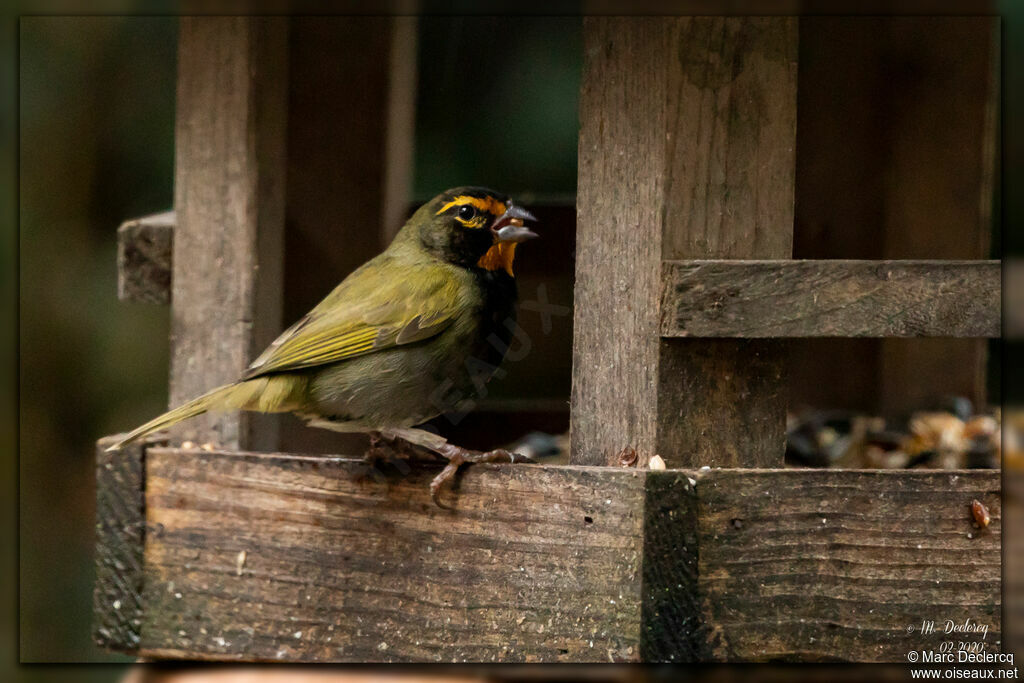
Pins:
<point x="380" y="449"/>
<point x="393" y="450"/>
<point x="458" y="456"/>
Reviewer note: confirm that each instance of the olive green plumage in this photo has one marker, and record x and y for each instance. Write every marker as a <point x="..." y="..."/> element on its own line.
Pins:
<point x="411" y="334"/>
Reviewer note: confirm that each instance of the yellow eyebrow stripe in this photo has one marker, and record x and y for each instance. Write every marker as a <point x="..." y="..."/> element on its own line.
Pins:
<point x="490" y="204"/>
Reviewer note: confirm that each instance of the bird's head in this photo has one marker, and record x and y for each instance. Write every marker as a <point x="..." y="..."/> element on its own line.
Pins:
<point x="473" y="227"/>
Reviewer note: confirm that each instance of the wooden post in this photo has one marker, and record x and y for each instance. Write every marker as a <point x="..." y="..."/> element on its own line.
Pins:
<point x="229" y="203"/>
<point x="686" y="151"/>
<point x="120" y="533"/>
<point x="941" y="149"/>
<point x="399" y="151"/>
<point x="350" y="123"/>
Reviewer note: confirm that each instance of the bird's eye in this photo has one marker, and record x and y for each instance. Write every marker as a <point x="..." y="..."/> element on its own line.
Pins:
<point x="467" y="212"/>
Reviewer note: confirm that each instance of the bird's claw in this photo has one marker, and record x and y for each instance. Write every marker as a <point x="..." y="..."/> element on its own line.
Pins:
<point x="457" y="457"/>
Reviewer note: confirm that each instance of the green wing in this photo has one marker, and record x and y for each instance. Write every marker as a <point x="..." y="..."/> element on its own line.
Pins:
<point x="382" y="305"/>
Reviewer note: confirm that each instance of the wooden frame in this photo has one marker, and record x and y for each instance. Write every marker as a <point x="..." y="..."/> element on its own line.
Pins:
<point x="278" y="556"/>
<point x="771" y="299"/>
<point x="687" y="171"/>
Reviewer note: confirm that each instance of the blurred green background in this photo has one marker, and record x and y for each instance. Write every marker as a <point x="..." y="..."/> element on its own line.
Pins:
<point x="96" y="147"/>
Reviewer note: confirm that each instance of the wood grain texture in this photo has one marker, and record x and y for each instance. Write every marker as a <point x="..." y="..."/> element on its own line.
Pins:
<point x="229" y="201"/>
<point x="831" y="299"/>
<point x="826" y="565"/>
<point x="306" y="558"/>
<point x="672" y="627"/>
<point x="120" y="537"/>
<point x="536" y="563"/>
<point x="686" y="151"/>
<point x="723" y="402"/>
<point x="144" y="257"/>
<point x="730" y="152"/>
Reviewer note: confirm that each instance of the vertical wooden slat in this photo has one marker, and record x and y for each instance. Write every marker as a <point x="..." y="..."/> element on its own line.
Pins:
<point x="399" y="146"/>
<point x="686" y="151"/>
<point x="942" y="134"/>
<point x="229" y="201"/>
<point x="120" y="535"/>
<point x="346" y="81"/>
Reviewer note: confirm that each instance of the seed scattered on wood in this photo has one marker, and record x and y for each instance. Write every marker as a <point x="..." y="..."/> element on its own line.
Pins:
<point x="656" y="463"/>
<point x="981" y="516"/>
<point x="627" y="457"/>
<point x="240" y="562"/>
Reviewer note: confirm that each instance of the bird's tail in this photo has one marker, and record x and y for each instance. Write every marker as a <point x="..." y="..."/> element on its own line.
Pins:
<point x="273" y="394"/>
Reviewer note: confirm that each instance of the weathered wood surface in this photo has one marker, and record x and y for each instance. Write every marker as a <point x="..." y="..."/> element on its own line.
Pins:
<point x="229" y="201"/>
<point x="120" y="536"/>
<point x="831" y="299"/>
<point x="826" y="565"/>
<point x="686" y="151"/>
<point x="281" y="557"/>
<point x="144" y="250"/>
<point x="314" y="558"/>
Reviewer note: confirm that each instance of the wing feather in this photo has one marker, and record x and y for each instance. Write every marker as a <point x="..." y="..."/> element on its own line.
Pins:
<point x="368" y="312"/>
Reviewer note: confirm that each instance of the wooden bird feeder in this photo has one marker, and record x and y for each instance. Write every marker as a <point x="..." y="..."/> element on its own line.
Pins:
<point x="686" y="297"/>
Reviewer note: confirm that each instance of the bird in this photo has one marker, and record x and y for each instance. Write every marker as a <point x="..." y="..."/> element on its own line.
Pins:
<point x="411" y="334"/>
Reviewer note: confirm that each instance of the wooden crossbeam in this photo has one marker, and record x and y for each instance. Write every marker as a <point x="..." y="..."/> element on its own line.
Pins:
<point x="299" y="558"/>
<point x="826" y="298"/>
<point x="729" y="298"/>
<point x="144" y="254"/>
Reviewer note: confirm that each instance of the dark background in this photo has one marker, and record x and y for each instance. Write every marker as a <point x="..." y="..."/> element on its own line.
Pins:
<point x="496" y="105"/>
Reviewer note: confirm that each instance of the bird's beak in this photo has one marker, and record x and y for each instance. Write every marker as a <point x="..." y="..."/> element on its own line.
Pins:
<point x="509" y="226"/>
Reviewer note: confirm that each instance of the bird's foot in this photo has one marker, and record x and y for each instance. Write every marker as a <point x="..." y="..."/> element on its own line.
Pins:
<point x="458" y="456"/>
<point x="385" y="450"/>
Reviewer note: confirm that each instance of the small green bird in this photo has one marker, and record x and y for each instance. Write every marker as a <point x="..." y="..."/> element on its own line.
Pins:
<point x="410" y="335"/>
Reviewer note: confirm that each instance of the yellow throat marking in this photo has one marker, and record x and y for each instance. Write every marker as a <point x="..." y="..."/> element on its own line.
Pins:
<point x="498" y="256"/>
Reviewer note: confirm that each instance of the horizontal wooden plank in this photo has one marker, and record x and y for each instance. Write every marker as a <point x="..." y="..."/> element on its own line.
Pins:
<point x="833" y="565"/>
<point x="282" y="557"/>
<point x="830" y="298"/>
<point x="144" y="256"/>
<point x="301" y="558"/>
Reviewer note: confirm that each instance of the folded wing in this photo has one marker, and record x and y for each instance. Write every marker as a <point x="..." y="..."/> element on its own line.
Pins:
<point x="366" y="313"/>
